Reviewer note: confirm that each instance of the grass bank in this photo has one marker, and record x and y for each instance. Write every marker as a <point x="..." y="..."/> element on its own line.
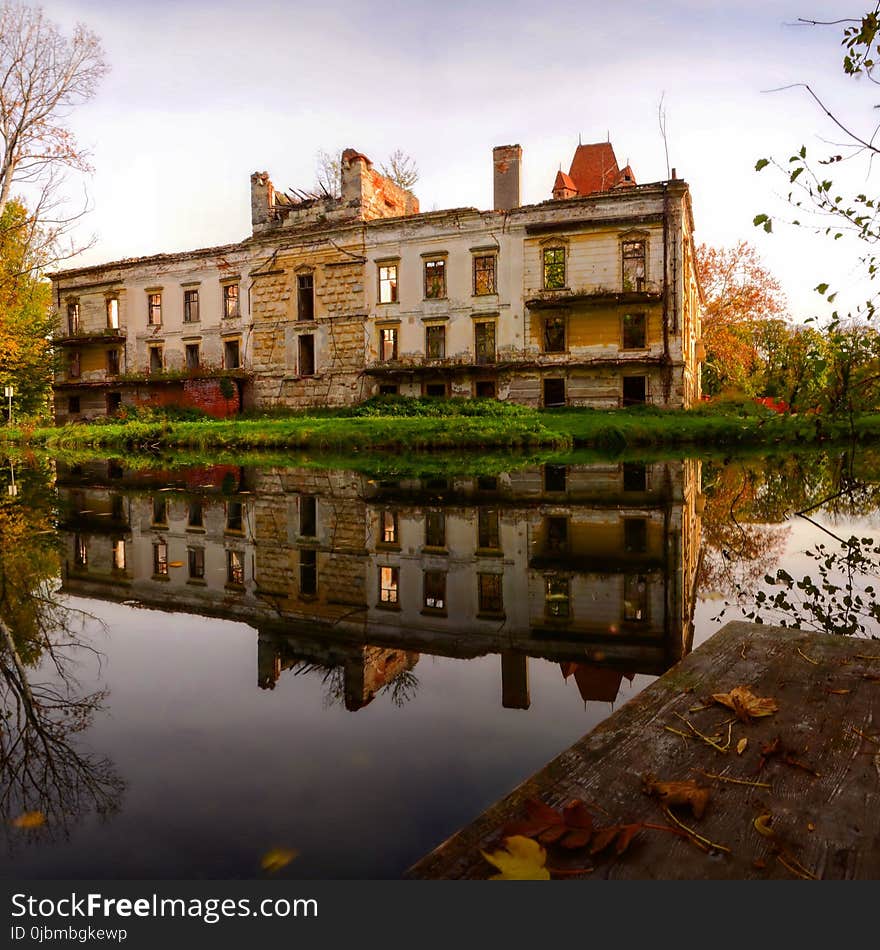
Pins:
<point x="415" y="425"/>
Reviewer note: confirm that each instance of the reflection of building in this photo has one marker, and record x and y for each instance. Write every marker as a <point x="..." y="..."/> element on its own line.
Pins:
<point x="591" y="566"/>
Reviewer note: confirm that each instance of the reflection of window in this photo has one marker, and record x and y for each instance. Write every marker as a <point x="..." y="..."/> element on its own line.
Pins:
<point x="484" y="342"/>
<point x="435" y="342"/>
<point x="305" y="297"/>
<point x="80" y="551"/>
<point x="635" y="476"/>
<point x="634" y="331"/>
<point x="119" y="555"/>
<point x="435" y="279"/>
<point x="484" y="274"/>
<point x="489" y="593"/>
<point x="388" y="343"/>
<point x="435" y="590"/>
<point x="196" y="515"/>
<point x="635" y="535"/>
<point x="234" y="516"/>
<point x="633" y="265"/>
<point x="554" y="268"/>
<point x="554" y="334"/>
<point x="308" y="516"/>
<point x="117" y="507"/>
<point x="160" y="511"/>
<point x="389" y="527"/>
<point x="635" y="598"/>
<point x="388" y="283"/>
<point x="555" y="477"/>
<point x="235" y="568"/>
<point x="556" y="596"/>
<point x="557" y="534"/>
<point x="160" y="559"/>
<point x="388" y="585"/>
<point x="308" y="572"/>
<point x="487" y="528"/>
<point x="230" y="300"/>
<point x="435" y="529"/>
<point x="196" y="558"/>
<point x="190" y="306"/>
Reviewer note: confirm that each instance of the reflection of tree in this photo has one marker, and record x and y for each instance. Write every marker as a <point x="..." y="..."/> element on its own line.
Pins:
<point x="401" y="688"/>
<point x="41" y="768"/>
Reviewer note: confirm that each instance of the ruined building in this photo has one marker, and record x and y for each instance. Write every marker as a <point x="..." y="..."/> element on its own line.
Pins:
<point x="590" y="298"/>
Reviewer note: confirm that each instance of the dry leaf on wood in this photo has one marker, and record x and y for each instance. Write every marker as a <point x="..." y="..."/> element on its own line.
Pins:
<point x="521" y="859"/>
<point x="571" y="829"/>
<point x="745" y="704"/>
<point x="679" y="793"/>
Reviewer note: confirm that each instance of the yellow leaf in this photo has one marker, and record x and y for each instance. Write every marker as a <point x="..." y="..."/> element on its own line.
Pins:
<point x="277" y="858"/>
<point x="762" y="826"/>
<point x="741" y="746"/>
<point x="521" y="859"/>
<point x="745" y="703"/>
<point x="175" y="563"/>
<point x="29" y="819"/>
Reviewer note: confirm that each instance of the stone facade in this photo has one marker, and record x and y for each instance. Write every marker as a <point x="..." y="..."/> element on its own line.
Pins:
<point x="588" y="299"/>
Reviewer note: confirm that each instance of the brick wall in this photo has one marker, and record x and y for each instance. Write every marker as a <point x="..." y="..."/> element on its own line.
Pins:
<point x="204" y="394"/>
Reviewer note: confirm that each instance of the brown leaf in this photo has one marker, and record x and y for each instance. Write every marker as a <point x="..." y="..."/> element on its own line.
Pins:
<point x="679" y="793"/>
<point x="741" y="746"/>
<point x="627" y="833"/>
<point x="571" y="829"/>
<point x="603" y="838"/>
<point x="745" y="704"/>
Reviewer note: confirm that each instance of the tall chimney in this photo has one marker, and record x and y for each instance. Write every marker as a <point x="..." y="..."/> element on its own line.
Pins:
<point x="507" y="160"/>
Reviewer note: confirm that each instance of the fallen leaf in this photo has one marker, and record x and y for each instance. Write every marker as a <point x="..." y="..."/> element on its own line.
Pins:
<point x="810" y="826"/>
<point x="571" y="829"/>
<point x="762" y="826"/>
<point x="679" y="793"/>
<point x="774" y="748"/>
<point x="29" y="819"/>
<point x="838" y="692"/>
<point x="521" y="859"/>
<point x="741" y="746"/>
<point x="277" y="858"/>
<point x="745" y="704"/>
<point x="175" y="563"/>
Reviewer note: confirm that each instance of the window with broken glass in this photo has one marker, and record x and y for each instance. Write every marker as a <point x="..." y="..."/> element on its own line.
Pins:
<point x="192" y="355"/>
<point x="388" y="527"/>
<point x="435" y="529"/>
<point x="554" y="268"/>
<point x="484" y="275"/>
<point x="112" y="362"/>
<point x="190" y="306"/>
<point x="634" y="331"/>
<point x="554" y="334"/>
<point x="435" y="590"/>
<point x="633" y="265"/>
<point x="388" y="283"/>
<point x="235" y="568"/>
<point x="388" y="343"/>
<point x="484" y="342"/>
<point x="488" y="535"/>
<point x="435" y="279"/>
<point x="435" y="342"/>
<point x="196" y="558"/>
<point x="230" y="300"/>
<point x="154" y="309"/>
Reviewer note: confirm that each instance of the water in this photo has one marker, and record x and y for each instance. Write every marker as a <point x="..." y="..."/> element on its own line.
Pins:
<point x="226" y="661"/>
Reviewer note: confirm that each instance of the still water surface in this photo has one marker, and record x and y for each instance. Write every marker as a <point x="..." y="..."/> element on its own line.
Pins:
<point x="224" y="660"/>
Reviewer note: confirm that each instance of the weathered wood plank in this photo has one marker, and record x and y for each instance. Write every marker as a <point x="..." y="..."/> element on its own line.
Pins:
<point x="827" y="824"/>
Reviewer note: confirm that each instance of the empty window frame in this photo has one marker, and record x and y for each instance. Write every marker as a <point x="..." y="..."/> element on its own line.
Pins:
<point x="72" y="405"/>
<point x="190" y="306"/>
<point x="484" y="389"/>
<point x="488" y="531"/>
<point x="489" y="595"/>
<point x="634" y="390"/>
<point x="160" y="559"/>
<point x="234" y="516"/>
<point x="435" y="529"/>
<point x="306" y="354"/>
<point x="389" y="585"/>
<point x="193" y="355"/>
<point x="114" y="401"/>
<point x="156" y="359"/>
<point x="484" y="342"/>
<point x="633" y="254"/>
<point x="554" y="268"/>
<point x="557" y="601"/>
<point x="305" y="296"/>
<point x="196" y="561"/>
<point x="235" y="568"/>
<point x="388" y="283"/>
<point x="634" y="331"/>
<point x="232" y="354"/>
<point x="74" y="364"/>
<point x="113" y="362"/>
<point x="554" y="392"/>
<point x="308" y="572"/>
<point x="484" y="275"/>
<point x="635" y="598"/>
<point x="388" y="527"/>
<point x="554" y="335"/>
<point x="389" y="389"/>
<point x="231" y="308"/>
<point x="435" y="590"/>
<point x="435" y="278"/>
<point x="113" y="313"/>
<point x="118" y="554"/>
<point x="308" y="516"/>
<point x="635" y="535"/>
<point x="73" y="318"/>
<point x="436" y="390"/>
<point x="388" y="343"/>
<point x="154" y="309"/>
<point x="435" y="342"/>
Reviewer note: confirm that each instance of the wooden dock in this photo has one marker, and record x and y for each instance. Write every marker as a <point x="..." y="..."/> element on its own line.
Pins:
<point x="793" y="794"/>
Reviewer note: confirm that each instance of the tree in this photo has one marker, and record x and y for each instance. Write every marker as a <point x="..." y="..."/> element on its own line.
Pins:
<point x="43" y="75"/>
<point x="400" y="168"/>
<point x="740" y="293"/>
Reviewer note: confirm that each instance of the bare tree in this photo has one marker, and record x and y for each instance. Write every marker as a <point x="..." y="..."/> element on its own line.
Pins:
<point x="43" y="75"/>
<point x="401" y="169"/>
<point x="328" y="174"/>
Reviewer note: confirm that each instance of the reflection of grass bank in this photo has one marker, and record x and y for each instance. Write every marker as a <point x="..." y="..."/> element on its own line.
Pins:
<point x="404" y="426"/>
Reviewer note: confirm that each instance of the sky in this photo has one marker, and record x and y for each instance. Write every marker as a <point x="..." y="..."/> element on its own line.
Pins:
<point x="200" y="95"/>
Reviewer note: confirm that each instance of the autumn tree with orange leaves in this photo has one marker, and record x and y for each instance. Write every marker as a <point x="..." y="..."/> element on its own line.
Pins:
<point x="741" y="295"/>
